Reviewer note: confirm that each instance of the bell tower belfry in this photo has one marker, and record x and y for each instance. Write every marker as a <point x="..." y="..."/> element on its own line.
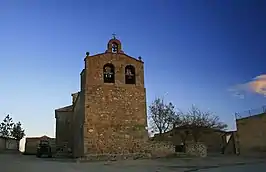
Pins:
<point x="114" y="46"/>
<point x="115" y="118"/>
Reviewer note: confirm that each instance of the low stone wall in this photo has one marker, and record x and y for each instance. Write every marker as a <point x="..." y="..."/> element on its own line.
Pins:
<point x="114" y="157"/>
<point x="160" y="149"/>
<point x="196" y="149"/>
<point x="141" y="150"/>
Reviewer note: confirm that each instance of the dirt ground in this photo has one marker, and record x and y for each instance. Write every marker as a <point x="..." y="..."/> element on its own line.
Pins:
<point x="21" y="163"/>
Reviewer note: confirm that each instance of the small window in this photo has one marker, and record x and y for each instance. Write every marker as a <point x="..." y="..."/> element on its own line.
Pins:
<point x="114" y="47"/>
<point x="130" y="77"/>
<point x="109" y="73"/>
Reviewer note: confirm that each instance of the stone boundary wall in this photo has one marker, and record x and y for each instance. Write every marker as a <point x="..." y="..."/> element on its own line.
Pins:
<point x="160" y="149"/>
<point x="196" y="149"/>
<point x="148" y="149"/>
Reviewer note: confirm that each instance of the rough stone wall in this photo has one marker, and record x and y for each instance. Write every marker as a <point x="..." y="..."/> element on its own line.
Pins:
<point x="63" y="128"/>
<point x="142" y="149"/>
<point x="115" y="113"/>
<point x="113" y="124"/>
<point x="196" y="149"/>
<point x="251" y="133"/>
<point x="212" y="139"/>
<point x="77" y="128"/>
<point x="94" y="69"/>
<point x="160" y="149"/>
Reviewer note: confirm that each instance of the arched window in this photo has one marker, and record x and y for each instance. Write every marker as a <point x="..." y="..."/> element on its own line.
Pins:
<point x="109" y="73"/>
<point x="130" y="77"/>
<point x="114" y="47"/>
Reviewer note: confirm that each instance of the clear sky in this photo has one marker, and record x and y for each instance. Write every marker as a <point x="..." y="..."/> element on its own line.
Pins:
<point x="195" y="52"/>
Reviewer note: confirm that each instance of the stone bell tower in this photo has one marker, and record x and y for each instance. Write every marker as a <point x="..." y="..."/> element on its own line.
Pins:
<point x="115" y="118"/>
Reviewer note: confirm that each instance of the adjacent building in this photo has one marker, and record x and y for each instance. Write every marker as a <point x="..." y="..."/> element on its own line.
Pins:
<point x="32" y="143"/>
<point x="251" y="133"/>
<point x="8" y="144"/>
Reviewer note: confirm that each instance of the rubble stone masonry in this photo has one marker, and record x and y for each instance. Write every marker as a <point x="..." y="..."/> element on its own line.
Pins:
<point x="115" y="113"/>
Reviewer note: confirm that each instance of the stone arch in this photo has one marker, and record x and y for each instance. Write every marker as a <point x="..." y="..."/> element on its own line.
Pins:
<point x="114" y="46"/>
<point x="109" y="73"/>
<point x="130" y="74"/>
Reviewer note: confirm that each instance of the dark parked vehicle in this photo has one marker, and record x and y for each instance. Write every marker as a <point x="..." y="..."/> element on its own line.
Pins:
<point x="44" y="148"/>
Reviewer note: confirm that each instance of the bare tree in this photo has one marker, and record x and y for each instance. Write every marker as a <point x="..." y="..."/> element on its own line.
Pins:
<point x="161" y="116"/>
<point x="197" y="122"/>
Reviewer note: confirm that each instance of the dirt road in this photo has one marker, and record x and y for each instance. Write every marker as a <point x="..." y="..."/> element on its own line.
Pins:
<point x="23" y="163"/>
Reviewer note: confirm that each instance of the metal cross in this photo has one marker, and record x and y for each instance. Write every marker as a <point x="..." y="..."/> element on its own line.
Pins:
<point x="114" y="36"/>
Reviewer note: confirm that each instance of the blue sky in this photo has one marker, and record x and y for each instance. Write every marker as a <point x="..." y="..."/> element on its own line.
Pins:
<point x="195" y="52"/>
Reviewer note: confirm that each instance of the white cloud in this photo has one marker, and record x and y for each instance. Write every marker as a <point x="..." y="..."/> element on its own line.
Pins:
<point x="256" y="85"/>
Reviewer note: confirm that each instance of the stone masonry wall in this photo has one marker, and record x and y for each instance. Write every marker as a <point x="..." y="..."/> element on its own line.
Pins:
<point x="77" y="122"/>
<point x="252" y="134"/>
<point x="196" y="149"/>
<point x="114" y="127"/>
<point x="94" y="69"/>
<point x="115" y="113"/>
<point x="212" y="138"/>
<point x="63" y="128"/>
<point x="143" y="149"/>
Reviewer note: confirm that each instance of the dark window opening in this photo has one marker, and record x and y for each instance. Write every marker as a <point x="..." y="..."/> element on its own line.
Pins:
<point x="114" y="47"/>
<point x="180" y="148"/>
<point x="109" y="73"/>
<point x="130" y="77"/>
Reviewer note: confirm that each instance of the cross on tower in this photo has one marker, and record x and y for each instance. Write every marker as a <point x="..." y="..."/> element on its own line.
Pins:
<point x="114" y="36"/>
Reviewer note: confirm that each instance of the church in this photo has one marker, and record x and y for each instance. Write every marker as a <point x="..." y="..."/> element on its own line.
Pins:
<point x="108" y="113"/>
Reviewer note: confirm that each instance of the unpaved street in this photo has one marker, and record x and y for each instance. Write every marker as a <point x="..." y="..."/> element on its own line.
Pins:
<point x="22" y="163"/>
<point x="259" y="167"/>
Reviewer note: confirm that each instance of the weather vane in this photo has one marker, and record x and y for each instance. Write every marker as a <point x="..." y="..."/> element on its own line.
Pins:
<point x="114" y="36"/>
